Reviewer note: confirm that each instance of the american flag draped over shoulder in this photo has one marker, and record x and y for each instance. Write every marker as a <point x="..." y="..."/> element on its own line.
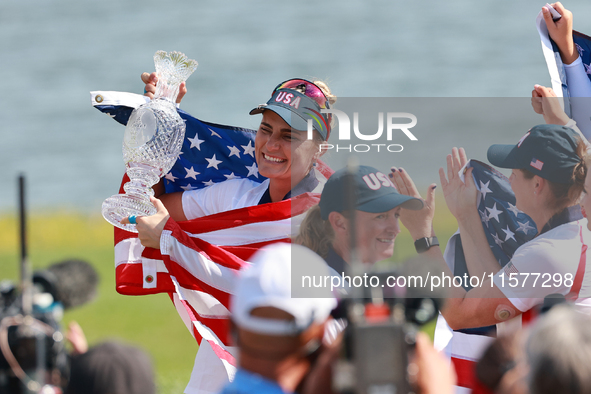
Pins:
<point x="222" y="242"/>
<point x="506" y="229"/>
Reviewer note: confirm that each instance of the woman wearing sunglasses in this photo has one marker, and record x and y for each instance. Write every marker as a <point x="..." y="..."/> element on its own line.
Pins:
<point x="283" y="153"/>
<point x="286" y="157"/>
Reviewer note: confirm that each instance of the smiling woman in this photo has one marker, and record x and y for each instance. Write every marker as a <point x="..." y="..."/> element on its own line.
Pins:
<point x="286" y="157"/>
<point x="283" y="154"/>
<point x="327" y="227"/>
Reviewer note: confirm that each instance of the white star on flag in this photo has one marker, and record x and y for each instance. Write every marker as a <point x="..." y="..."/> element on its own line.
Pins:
<point x="253" y="170"/>
<point x="513" y="209"/>
<point x="213" y="162"/>
<point x="524" y="227"/>
<point x="248" y="149"/>
<point x="170" y="177"/>
<point x="484" y="217"/>
<point x="188" y="187"/>
<point x="508" y="234"/>
<point x="231" y="176"/>
<point x="494" y="212"/>
<point x="484" y="189"/>
<point x="196" y="142"/>
<point x="191" y="173"/>
<point x="208" y="183"/>
<point x="234" y="151"/>
<point x="214" y="133"/>
<point x="587" y="68"/>
<point x="498" y="240"/>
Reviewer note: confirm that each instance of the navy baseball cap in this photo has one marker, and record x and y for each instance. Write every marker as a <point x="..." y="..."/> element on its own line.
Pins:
<point x="297" y="101"/>
<point x="549" y="151"/>
<point x="374" y="192"/>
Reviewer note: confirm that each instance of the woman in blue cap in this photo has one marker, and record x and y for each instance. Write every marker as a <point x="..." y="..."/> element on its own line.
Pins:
<point x="286" y="157"/>
<point x="283" y="152"/>
<point x="377" y="206"/>
<point x="548" y="173"/>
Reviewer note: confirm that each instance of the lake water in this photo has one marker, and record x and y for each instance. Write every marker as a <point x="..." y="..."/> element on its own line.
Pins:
<point x="55" y="51"/>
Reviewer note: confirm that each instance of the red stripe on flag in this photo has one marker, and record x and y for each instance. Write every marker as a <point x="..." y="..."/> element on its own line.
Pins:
<point x="219" y="326"/>
<point x="246" y="251"/>
<point x="529" y="316"/>
<point x="130" y="281"/>
<point x="465" y="372"/>
<point x="249" y="215"/>
<point x="190" y="282"/>
<point x="212" y="252"/>
<point x="222" y="353"/>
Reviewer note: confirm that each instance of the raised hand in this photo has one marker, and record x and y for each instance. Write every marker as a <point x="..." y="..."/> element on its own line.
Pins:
<point x="419" y="223"/>
<point x="150" y="81"/>
<point x="561" y="32"/>
<point x="545" y="102"/>
<point x="460" y="197"/>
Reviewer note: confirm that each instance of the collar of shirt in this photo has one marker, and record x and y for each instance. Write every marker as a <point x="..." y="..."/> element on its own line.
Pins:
<point x="567" y="215"/>
<point x="246" y="382"/>
<point x="308" y="184"/>
<point x="335" y="261"/>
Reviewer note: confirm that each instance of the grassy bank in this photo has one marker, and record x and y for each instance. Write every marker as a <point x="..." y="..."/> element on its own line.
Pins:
<point x="150" y="322"/>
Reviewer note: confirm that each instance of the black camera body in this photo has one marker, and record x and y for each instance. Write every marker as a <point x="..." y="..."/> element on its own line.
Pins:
<point x="42" y="357"/>
<point x="379" y="339"/>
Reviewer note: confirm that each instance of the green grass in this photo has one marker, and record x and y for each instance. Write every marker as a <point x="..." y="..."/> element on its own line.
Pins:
<point x="150" y="322"/>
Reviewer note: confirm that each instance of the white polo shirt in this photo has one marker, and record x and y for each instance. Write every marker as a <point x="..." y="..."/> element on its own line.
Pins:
<point x="555" y="262"/>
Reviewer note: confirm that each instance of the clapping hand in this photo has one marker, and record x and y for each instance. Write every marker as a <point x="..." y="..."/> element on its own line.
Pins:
<point x="460" y="196"/>
<point x="419" y="223"/>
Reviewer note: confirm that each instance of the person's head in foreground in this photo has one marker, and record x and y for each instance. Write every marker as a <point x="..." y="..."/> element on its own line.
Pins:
<point x="277" y="335"/>
<point x="111" y="368"/>
<point x="558" y="352"/>
<point x="283" y="151"/>
<point x="548" y="170"/>
<point x="501" y="368"/>
<point x="377" y="208"/>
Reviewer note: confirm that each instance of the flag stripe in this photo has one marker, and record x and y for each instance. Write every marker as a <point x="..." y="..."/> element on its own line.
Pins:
<point x="206" y="252"/>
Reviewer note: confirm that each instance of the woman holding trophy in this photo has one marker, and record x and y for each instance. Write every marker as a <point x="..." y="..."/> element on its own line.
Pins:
<point x="204" y="274"/>
<point x="282" y="150"/>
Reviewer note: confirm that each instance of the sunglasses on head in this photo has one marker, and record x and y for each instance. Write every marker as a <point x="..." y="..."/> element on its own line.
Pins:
<point x="307" y="88"/>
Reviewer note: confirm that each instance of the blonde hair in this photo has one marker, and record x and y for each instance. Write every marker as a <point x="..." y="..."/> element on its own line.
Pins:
<point x="329" y="95"/>
<point x="315" y="233"/>
<point x="326" y="90"/>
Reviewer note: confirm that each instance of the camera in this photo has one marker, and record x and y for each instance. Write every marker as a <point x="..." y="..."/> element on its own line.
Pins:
<point x="379" y="338"/>
<point x="32" y="346"/>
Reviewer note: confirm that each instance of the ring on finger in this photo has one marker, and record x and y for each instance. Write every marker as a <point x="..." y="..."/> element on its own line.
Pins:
<point x="132" y="219"/>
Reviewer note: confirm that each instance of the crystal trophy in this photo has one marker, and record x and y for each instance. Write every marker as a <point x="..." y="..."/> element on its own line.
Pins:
<point x="152" y="141"/>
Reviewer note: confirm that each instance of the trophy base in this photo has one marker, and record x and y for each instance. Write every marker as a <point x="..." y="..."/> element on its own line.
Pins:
<point x="120" y="206"/>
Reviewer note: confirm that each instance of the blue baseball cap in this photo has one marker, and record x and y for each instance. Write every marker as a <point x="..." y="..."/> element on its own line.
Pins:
<point x="297" y="101"/>
<point x="548" y="150"/>
<point x="374" y="192"/>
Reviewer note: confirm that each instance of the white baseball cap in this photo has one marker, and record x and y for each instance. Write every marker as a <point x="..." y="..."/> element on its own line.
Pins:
<point x="268" y="283"/>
